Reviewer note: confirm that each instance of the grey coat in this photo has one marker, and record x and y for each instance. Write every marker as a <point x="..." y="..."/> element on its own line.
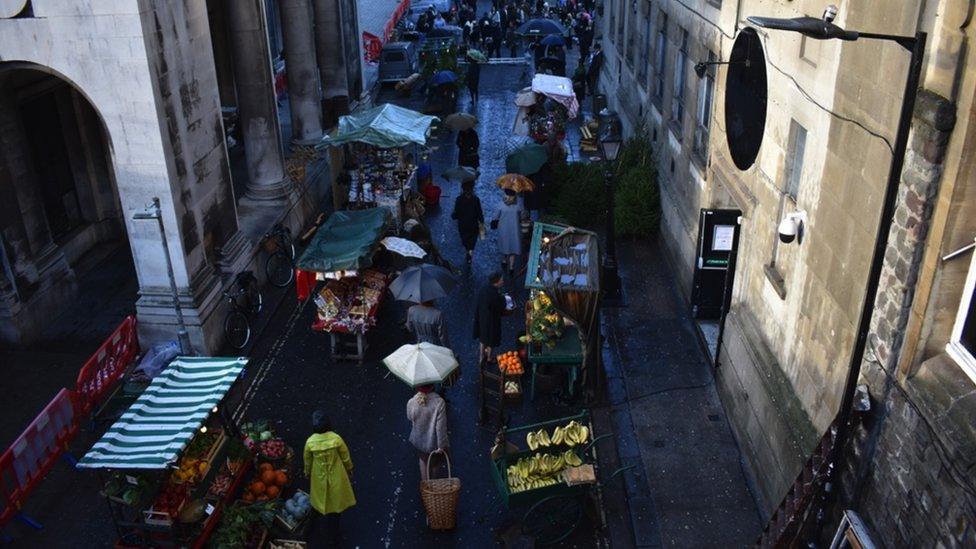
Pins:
<point x="427" y="413"/>
<point x="509" y="218"/>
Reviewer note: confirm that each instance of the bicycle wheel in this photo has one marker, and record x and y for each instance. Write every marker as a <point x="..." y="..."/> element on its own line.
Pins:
<point x="254" y="298"/>
<point x="237" y="330"/>
<point x="278" y="267"/>
<point x="552" y="519"/>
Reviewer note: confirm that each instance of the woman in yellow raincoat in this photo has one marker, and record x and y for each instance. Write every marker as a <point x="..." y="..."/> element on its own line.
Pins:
<point x="328" y="468"/>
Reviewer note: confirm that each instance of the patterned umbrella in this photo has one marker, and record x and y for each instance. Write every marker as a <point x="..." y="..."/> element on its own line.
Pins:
<point x="540" y="27"/>
<point x="515" y="182"/>
<point x="419" y="364"/>
<point x="526" y="98"/>
<point x="460" y="121"/>
<point x="404" y="247"/>
<point x="477" y="56"/>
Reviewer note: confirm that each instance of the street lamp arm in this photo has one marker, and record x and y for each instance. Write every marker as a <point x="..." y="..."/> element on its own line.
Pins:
<point x="907" y="42"/>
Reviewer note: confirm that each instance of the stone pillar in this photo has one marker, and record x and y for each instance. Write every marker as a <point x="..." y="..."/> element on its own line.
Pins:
<point x="304" y="93"/>
<point x="331" y="59"/>
<point x="257" y="109"/>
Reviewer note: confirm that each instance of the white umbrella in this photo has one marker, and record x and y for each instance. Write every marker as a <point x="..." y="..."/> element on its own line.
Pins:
<point x="526" y="97"/>
<point x="421" y="364"/>
<point x="404" y="247"/>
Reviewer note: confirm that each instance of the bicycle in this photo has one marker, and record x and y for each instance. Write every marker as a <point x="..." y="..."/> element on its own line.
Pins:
<point x="244" y="302"/>
<point x="280" y="265"/>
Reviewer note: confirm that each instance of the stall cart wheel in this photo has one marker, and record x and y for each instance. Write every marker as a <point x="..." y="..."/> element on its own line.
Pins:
<point x="552" y="519"/>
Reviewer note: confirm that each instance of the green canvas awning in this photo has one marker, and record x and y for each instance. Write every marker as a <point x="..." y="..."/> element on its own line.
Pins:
<point x="153" y="432"/>
<point x="386" y="126"/>
<point x="346" y="241"/>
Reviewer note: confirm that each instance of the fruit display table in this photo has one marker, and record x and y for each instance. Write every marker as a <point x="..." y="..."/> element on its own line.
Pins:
<point x="567" y="353"/>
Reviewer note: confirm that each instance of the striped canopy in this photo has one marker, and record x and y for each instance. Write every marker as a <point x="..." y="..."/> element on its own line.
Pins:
<point x="153" y="432"/>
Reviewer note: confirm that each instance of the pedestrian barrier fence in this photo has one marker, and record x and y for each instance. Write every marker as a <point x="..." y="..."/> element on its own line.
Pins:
<point x="105" y="368"/>
<point x="34" y="453"/>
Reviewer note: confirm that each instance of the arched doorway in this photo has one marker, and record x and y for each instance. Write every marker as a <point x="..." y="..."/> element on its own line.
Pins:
<point x="66" y="270"/>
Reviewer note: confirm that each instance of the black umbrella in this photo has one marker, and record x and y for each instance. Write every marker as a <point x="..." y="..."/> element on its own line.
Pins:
<point x="553" y="40"/>
<point x="540" y="27"/>
<point x="421" y="283"/>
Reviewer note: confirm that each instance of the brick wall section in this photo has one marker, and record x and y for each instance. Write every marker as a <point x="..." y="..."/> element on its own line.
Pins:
<point x="905" y="469"/>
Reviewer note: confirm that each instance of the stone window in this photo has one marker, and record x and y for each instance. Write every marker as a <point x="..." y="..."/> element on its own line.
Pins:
<point x="962" y="343"/>
<point x="703" y="113"/>
<point x="678" y="98"/>
<point x="660" y="50"/>
<point x="646" y="45"/>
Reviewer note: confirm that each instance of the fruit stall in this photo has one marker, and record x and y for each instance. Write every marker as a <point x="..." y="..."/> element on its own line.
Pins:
<point x="171" y="464"/>
<point x="550" y="470"/>
<point x="341" y="255"/>
<point x="562" y="313"/>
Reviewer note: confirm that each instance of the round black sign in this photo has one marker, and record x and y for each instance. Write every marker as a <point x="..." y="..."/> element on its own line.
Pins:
<point x="745" y="98"/>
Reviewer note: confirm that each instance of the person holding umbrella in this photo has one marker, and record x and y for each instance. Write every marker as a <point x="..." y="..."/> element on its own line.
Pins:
<point x="426" y="322"/>
<point x="469" y="216"/>
<point x="427" y="412"/>
<point x="472" y="78"/>
<point x="468" y="145"/>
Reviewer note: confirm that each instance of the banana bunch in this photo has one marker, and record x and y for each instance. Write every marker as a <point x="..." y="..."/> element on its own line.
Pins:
<point x="538" y="439"/>
<point x="539" y="470"/>
<point x="571" y="434"/>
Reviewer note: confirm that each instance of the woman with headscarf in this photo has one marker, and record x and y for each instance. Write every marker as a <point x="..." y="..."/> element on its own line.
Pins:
<point x="508" y="221"/>
<point x="328" y="468"/>
<point x="427" y="413"/>
<point x="469" y="216"/>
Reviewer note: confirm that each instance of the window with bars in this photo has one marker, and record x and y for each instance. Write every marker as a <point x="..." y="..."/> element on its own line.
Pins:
<point x="678" y="100"/>
<point x="703" y="112"/>
<point x="660" y="50"/>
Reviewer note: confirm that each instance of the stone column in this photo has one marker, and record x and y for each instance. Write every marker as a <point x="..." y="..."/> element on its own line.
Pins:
<point x="331" y="59"/>
<point x="304" y="93"/>
<point x="257" y="109"/>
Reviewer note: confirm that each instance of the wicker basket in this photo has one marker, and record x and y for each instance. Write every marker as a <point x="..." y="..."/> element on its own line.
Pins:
<point x="440" y="497"/>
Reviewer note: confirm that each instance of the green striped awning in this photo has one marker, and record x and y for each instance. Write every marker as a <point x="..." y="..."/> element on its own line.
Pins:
<point x="153" y="432"/>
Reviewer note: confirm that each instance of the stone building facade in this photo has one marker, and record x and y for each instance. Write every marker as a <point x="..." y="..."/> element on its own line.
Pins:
<point x="832" y="112"/>
<point x="105" y="104"/>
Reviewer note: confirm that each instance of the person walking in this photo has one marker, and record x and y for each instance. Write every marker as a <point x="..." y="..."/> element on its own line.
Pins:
<point x="488" y="317"/>
<point x="508" y="221"/>
<point x="426" y="322"/>
<point x="427" y="412"/>
<point x="468" y="145"/>
<point x="469" y="216"/>
<point x="512" y="39"/>
<point x="328" y="468"/>
<point x="473" y="78"/>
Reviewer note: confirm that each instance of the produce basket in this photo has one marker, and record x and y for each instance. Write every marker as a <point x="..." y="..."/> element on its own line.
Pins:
<point x="157" y="518"/>
<point x="286" y="544"/>
<point x="288" y="524"/>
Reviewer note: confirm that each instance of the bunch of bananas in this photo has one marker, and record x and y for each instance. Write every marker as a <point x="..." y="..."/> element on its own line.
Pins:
<point x="539" y="470"/>
<point x="571" y="434"/>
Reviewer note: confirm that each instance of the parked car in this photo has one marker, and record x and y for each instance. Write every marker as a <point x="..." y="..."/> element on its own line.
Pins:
<point x="398" y="60"/>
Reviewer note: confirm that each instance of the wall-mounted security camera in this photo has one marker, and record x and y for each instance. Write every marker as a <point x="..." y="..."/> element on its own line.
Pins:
<point x="830" y="13"/>
<point x="791" y="227"/>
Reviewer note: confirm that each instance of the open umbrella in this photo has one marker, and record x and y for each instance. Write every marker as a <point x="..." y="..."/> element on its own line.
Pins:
<point x="460" y="173"/>
<point x="443" y="77"/>
<point x="553" y="40"/>
<point x="460" y="121"/>
<point x="527" y="159"/>
<point x="423" y="283"/>
<point x="404" y="247"/>
<point x="515" y="182"/>
<point x="540" y="27"/>
<point x="419" y="364"/>
<point x="477" y="56"/>
<point x="526" y="98"/>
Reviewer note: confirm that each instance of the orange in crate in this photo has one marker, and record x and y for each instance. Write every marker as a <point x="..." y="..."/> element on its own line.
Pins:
<point x="510" y="363"/>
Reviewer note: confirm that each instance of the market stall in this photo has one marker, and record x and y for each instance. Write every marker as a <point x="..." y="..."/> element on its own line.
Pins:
<point x="341" y="254"/>
<point x="173" y="460"/>
<point x="562" y="314"/>
<point x="382" y="142"/>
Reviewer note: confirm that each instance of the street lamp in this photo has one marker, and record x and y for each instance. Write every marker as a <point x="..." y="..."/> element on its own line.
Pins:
<point x="610" y="144"/>
<point x="153" y="211"/>
<point x="825" y="29"/>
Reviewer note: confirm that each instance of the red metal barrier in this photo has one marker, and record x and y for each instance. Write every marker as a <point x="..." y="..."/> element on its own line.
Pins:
<point x="35" y="451"/>
<point x="105" y="368"/>
<point x="372" y="44"/>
